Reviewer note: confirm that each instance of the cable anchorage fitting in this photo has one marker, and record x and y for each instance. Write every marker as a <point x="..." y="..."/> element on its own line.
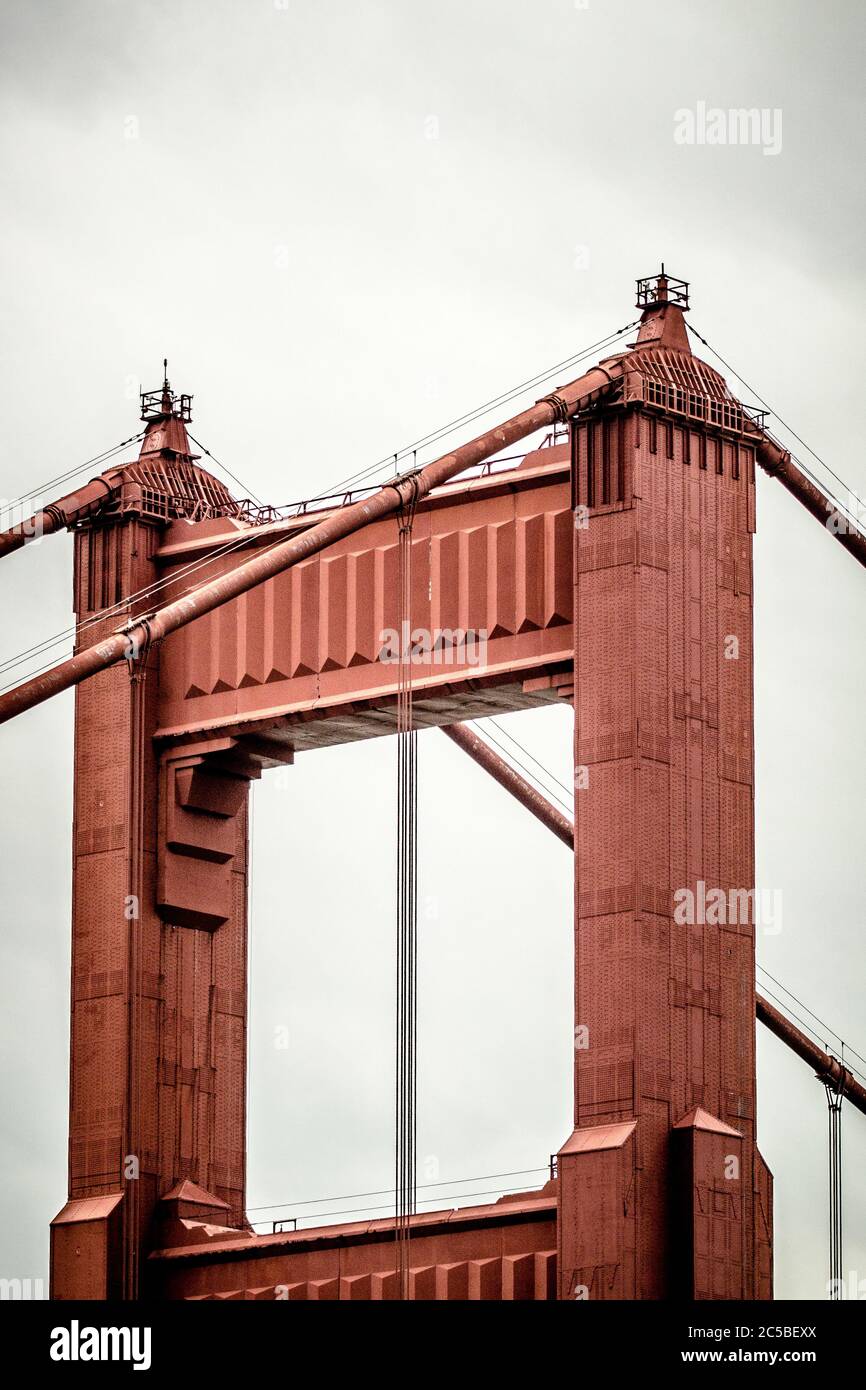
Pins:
<point x="563" y="412"/>
<point x="560" y="408"/>
<point x="407" y="508"/>
<point x="137" y="646"/>
<point x="57" y="515"/>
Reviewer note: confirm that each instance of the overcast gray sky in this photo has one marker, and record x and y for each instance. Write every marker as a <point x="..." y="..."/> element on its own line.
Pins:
<point x="345" y="224"/>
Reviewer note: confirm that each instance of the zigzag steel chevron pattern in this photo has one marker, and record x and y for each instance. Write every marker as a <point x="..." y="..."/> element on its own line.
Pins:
<point x="495" y="564"/>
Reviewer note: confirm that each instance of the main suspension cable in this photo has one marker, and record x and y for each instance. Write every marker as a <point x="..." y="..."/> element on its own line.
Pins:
<point x="140" y="595"/>
<point x="809" y="474"/>
<point x="820" y="1038"/>
<point x="72" y="472"/>
<point x="243" y="486"/>
<point x="845" y="1050"/>
<point x="470" y="416"/>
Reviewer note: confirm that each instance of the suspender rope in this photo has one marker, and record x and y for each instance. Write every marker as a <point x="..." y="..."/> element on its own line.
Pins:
<point x="407" y="918"/>
<point x="834" y="1117"/>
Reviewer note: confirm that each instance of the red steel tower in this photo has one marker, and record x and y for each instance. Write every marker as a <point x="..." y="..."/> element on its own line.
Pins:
<point x="613" y="566"/>
<point x="663" y="1191"/>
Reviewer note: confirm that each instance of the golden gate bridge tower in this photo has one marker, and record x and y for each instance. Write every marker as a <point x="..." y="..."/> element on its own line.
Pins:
<point x="610" y="568"/>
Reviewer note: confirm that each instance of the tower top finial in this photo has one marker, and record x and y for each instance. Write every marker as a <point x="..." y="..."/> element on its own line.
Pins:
<point x="164" y="403"/>
<point x="662" y="289"/>
<point x="664" y="300"/>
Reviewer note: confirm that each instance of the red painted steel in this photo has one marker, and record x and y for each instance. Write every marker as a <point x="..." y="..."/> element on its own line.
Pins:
<point x="778" y="463"/>
<point x="504" y="1252"/>
<point x="400" y="493"/>
<point x="65" y="512"/>
<point x="827" y="1069"/>
<point x="491" y="570"/>
<point x="664" y="1010"/>
<point x="158" y="1053"/>
<point x="278" y="652"/>
<point x="159" y="922"/>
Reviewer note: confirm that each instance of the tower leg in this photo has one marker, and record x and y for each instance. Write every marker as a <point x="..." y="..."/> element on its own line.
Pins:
<point x="159" y="961"/>
<point x="662" y="1191"/>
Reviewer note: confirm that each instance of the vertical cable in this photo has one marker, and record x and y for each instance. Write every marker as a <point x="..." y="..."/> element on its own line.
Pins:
<point x="407" y="918"/>
<point x="834" y="1118"/>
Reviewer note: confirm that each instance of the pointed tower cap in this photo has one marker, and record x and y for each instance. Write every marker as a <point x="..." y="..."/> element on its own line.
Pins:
<point x="166" y="415"/>
<point x="664" y="299"/>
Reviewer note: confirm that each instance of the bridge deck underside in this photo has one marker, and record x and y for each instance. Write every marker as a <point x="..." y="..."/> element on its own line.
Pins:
<point x="324" y="725"/>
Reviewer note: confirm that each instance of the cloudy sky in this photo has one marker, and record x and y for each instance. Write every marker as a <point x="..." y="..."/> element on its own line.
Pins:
<point x="346" y="223"/>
